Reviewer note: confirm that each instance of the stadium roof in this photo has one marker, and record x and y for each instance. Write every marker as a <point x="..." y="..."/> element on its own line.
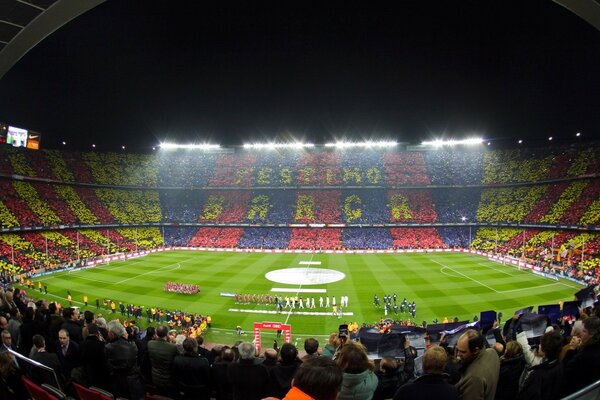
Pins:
<point x="25" y="23"/>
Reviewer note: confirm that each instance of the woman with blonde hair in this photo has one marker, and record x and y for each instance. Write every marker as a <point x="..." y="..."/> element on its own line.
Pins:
<point x="359" y="381"/>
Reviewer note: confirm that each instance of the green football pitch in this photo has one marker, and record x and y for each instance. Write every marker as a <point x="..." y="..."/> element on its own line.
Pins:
<point x="441" y="284"/>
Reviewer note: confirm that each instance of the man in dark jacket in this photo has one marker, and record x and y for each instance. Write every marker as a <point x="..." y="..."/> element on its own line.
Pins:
<point x="50" y="360"/>
<point x="73" y="325"/>
<point x="162" y="353"/>
<point x="93" y="358"/>
<point x="68" y="353"/>
<point x="121" y="357"/>
<point x="249" y="380"/>
<point x="545" y="379"/>
<point x="283" y="372"/>
<point x="192" y="372"/>
<point x="582" y="360"/>
<point x="433" y="384"/>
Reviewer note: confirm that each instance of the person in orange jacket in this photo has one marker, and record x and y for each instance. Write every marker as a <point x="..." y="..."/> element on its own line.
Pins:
<point x="317" y="378"/>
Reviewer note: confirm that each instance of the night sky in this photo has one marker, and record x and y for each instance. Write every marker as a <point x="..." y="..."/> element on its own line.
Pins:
<point x="135" y="73"/>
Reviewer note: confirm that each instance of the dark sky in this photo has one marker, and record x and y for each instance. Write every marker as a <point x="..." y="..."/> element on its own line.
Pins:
<point x="136" y="72"/>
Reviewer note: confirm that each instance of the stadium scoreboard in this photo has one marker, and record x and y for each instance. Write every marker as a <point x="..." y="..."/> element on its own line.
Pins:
<point x="19" y="137"/>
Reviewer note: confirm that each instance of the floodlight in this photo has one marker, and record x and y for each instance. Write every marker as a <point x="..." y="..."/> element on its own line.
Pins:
<point x="273" y="145"/>
<point x="368" y="143"/>
<point x="452" y="142"/>
<point x="202" y="146"/>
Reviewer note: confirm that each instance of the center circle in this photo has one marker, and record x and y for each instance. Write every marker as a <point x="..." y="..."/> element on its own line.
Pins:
<point x="305" y="276"/>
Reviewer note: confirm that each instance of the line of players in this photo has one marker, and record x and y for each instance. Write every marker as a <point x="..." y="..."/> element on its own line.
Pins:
<point x="411" y="308"/>
<point x="291" y="302"/>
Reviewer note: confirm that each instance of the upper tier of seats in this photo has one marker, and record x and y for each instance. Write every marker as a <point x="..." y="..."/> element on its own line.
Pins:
<point x="319" y="167"/>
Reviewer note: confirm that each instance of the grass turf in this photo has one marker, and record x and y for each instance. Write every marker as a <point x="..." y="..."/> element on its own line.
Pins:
<point x="441" y="284"/>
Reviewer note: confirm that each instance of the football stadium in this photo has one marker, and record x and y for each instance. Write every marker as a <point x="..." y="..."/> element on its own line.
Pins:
<point x="343" y="269"/>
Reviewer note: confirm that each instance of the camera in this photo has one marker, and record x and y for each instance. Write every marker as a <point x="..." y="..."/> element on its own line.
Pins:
<point x="343" y="331"/>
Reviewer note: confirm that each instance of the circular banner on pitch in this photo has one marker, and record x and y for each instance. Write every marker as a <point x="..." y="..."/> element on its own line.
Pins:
<point x="305" y="276"/>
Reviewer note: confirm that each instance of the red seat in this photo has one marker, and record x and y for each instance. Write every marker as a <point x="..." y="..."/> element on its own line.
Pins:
<point x="89" y="394"/>
<point x="35" y="391"/>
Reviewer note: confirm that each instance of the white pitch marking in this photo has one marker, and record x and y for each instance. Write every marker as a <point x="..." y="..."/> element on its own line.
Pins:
<point x="310" y="263"/>
<point x="296" y="290"/>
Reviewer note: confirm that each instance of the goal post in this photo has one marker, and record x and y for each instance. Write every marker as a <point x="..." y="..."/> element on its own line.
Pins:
<point x="271" y="326"/>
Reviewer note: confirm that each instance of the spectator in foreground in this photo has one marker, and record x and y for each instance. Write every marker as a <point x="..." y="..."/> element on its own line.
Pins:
<point x="39" y="375"/>
<point x="311" y="347"/>
<point x="318" y="378"/>
<point x="480" y="367"/>
<point x="162" y="353"/>
<point x="545" y="379"/>
<point x="219" y="378"/>
<point x="582" y="360"/>
<point x="121" y="356"/>
<point x="512" y="364"/>
<point x="359" y="380"/>
<point x="283" y="372"/>
<point x="433" y="384"/>
<point x="331" y="346"/>
<point x="249" y="381"/>
<point x="192" y="372"/>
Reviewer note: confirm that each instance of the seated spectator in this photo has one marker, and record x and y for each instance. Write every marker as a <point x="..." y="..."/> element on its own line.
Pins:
<point x="248" y="380"/>
<point x="433" y="384"/>
<point x="283" y="372"/>
<point x="192" y="372"/>
<point x="359" y="381"/>
<point x="545" y="379"/>
<point x="582" y="361"/>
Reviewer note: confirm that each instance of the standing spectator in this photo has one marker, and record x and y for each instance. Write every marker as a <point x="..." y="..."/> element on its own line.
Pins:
<point x="72" y="324"/>
<point x="162" y="353"/>
<point x="512" y="364"/>
<point x="318" y="378"/>
<point x="93" y="358"/>
<point x="480" y="367"/>
<point x="249" y="380"/>
<point x="39" y="375"/>
<point x="432" y="385"/>
<point x="331" y="346"/>
<point x="30" y="327"/>
<point x="204" y="352"/>
<point x="311" y="347"/>
<point x="359" y="381"/>
<point x="283" y="372"/>
<point x="68" y="353"/>
<point x="192" y="372"/>
<point x="219" y="377"/>
<point x="545" y="379"/>
<point x="582" y="361"/>
<point x="121" y="357"/>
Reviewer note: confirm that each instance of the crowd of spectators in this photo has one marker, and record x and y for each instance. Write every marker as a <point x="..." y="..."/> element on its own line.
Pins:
<point x="170" y="360"/>
<point x="265" y="238"/>
<point x="25" y="203"/>
<point x="367" y="238"/>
